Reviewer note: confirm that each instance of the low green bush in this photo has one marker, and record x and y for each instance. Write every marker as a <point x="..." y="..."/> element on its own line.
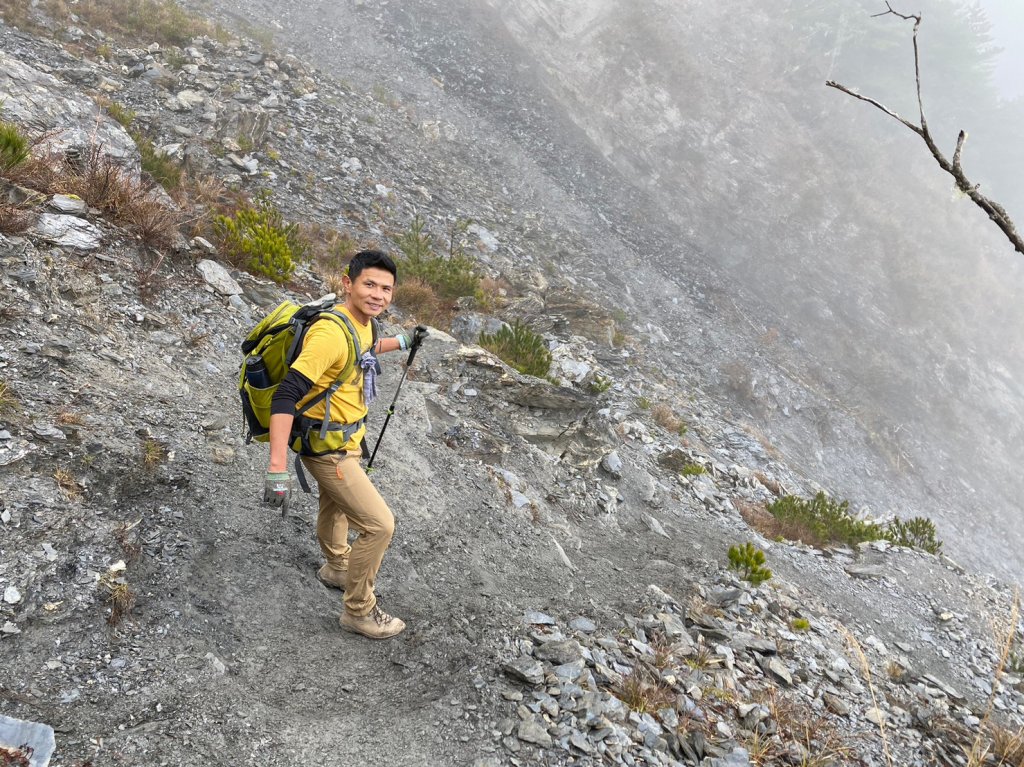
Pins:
<point x="521" y="348"/>
<point x="257" y="238"/>
<point x="916" y="533"/>
<point x="821" y="520"/>
<point x="749" y="561"/>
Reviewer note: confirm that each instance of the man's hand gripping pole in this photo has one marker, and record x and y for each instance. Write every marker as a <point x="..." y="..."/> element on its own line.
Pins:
<point x="417" y="338"/>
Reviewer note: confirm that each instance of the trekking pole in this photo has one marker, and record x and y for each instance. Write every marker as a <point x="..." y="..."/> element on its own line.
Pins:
<point x="417" y="338"/>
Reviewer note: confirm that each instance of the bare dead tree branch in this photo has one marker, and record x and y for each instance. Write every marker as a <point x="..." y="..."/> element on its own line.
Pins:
<point x="994" y="210"/>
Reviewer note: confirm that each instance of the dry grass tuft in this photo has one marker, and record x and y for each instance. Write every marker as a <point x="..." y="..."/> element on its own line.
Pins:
<point x="820" y="741"/>
<point x="866" y="668"/>
<point x="69" y="418"/>
<point x="14" y="219"/>
<point x="9" y="404"/>
<point x="760" y="519"/>
<point x="666" y="418"/>
<point x="643" y="694"/>
<point x="328" y="249"/>
<point x="153" y="453"/>
<point x="203" y="197"/>
<point x="120" y="598"/>
<point x="104" y="184"/>
<point x="1007" y="745"/>
<point x="68" y="485"/>
<point x="416" y="297"/>
<point x="990" y="734"/>
<point x="126" y="535"/>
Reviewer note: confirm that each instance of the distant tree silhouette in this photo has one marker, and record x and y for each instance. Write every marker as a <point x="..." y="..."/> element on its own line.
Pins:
<point x="994" y="210"/>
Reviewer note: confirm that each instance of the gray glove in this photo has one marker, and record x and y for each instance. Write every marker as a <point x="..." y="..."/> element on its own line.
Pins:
<point x="277" y="490"/>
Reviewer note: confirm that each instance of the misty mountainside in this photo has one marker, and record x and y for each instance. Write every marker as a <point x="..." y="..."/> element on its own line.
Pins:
<point x="586" y="559"/>
<point x="798" y="251"/>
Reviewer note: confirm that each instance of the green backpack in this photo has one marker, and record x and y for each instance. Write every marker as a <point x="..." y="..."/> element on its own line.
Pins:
<point x="270" y="348"/>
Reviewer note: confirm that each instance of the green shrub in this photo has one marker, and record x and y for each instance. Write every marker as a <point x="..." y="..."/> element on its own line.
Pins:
<point x="644" y="403"/>
<point x="451" y="277"/>
<point x="917" y="533"/>
<point x="800" y="624"/>
<point x="257" y="238"/>
<point x="521" y="348"/>
<point x="600" y="384"/>
<point x="822" y="521"/>
<point x="749" y="561"/>
<point x="164" y="170"/>
<point x="13" y="145"/>
<point x="692" y="470"/>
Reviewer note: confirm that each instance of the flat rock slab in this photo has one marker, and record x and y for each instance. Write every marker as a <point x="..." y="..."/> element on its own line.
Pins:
<point x="67" y="231"/>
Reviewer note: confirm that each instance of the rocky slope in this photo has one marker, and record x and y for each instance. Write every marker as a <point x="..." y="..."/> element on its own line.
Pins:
<point x="716" y="190"/>
<point x="566" y="589"/>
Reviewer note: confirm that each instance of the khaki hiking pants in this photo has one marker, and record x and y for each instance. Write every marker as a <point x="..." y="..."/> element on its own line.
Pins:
<point x="348" y="498"/>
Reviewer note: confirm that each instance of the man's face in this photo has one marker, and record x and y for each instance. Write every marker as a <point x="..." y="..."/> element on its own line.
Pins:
<point x="369" y="293"/>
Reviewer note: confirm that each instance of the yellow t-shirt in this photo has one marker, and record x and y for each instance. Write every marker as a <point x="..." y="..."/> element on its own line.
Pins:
<point x="325" y="351"/>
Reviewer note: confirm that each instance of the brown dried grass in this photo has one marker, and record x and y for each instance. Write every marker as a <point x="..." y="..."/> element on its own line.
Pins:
<point x="665" y="417"/>
<point x="418" y="298"/>
<point x="762" y="520"/>
<point x="643" y="694"/>
<point x="14" y="219"/>
<point x="106" y="185"/>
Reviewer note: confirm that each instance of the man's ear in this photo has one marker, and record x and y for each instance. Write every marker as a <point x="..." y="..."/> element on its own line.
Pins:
<point x="346" y="283"/>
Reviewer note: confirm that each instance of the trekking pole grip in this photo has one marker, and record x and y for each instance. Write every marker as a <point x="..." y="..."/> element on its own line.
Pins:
<point x="417" y="338"/>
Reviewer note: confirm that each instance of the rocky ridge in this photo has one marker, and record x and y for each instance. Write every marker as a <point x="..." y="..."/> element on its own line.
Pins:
<point x="551" y="493"/>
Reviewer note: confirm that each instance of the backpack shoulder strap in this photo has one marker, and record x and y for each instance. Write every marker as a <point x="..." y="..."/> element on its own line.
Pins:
<point x="356" y="352"/>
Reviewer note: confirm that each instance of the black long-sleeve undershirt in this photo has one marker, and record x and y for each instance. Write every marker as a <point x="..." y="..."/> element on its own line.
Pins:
<point x="293" y="387"/>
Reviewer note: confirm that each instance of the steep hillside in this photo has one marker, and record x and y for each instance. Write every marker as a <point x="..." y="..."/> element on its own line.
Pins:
<point x="867" y="321"/>
<point x="561" y="554"/>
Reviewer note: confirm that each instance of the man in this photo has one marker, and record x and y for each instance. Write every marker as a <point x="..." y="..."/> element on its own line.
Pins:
<point x="347" y="497"/>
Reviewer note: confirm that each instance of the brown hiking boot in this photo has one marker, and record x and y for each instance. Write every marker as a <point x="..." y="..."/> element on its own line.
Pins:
<point x="377" y="625"/>
<point x="334" y="579"/>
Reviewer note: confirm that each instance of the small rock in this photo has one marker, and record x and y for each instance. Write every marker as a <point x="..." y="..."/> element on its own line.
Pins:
<point x="612" y="464"/>
<point x="70" y="204"/>
<point x="559" y="653"/>
<point x="535" y="618"/>
<point x="218" y="278"/>
<point x="526" y="669"/>
<point x="876" y="715"/>
<point x="11" y="595"/>
<point x="583" y="625"/>
<point x="533" y="731"/>
<point x="218" y="665"/>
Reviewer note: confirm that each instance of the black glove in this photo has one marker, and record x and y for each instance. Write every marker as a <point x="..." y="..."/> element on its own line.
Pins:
<point x="418" y="335"/>
<point x="277" y="490"/>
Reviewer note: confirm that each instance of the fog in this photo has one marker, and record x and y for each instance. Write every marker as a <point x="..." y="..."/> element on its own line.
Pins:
<point x="1007" y="19"/>
<point x="848" y="303"/>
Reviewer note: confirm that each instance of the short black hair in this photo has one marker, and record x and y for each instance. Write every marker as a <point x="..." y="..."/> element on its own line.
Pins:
<point x="365" y="259"/>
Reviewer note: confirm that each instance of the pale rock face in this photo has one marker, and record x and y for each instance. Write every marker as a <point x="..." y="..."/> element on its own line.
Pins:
<point x="34" y="98"/>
